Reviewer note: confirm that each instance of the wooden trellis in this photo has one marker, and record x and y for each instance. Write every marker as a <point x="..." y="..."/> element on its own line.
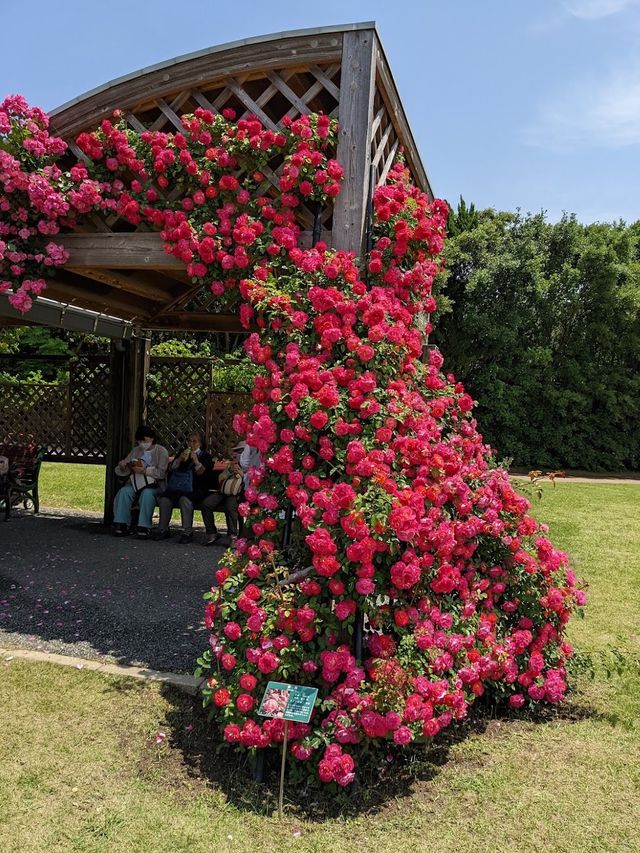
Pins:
<point x="181" y="398"/>
<point x="36" y="409"/>
<point x="341" y="71"/>
<point x="67" y="418"/>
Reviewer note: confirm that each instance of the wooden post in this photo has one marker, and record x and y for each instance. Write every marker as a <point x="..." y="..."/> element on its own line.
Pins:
<point x="128" y="368"/>
<point x="136" y="384"/>
<point x="357" y="88"/>
<point x="115" y="431"/>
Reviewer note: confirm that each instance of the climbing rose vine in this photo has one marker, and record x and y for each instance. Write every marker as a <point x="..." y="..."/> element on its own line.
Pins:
<point x="400" y="519"/>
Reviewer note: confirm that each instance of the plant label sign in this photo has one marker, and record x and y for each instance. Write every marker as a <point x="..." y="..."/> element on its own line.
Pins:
<point x="288" y="702"/>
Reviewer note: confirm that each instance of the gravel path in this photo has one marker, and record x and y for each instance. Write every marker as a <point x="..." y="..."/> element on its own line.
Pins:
<point x="67" y="586"/>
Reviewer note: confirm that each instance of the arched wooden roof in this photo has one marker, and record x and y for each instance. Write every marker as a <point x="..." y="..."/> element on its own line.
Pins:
<point x="341" y="71"/>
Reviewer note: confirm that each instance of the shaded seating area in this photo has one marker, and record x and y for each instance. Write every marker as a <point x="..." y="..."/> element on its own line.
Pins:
<point x="20" y="461"/>
<point x="196" y="502"/>
<point x="67" y="586"/>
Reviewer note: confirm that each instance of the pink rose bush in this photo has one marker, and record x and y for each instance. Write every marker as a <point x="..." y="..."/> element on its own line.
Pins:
<point x="37" y="200"/>
<point x="401" y="523"/>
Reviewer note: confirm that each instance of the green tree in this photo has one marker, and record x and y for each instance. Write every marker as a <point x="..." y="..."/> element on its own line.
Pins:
<point x="541" y="321"/>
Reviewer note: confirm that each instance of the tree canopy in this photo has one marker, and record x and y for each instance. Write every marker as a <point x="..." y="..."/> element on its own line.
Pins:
<point x="541" y="321"/>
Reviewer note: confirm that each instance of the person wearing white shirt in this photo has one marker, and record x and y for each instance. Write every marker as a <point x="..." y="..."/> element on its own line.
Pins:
<point x="146" y="468"/>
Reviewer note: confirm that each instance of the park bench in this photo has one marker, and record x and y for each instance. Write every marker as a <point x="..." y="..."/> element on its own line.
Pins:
<point x="19" y="483"/>
<point x="219" y="466"/>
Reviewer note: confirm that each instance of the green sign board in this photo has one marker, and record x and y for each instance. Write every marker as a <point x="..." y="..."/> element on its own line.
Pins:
<point x="288" y="702"/>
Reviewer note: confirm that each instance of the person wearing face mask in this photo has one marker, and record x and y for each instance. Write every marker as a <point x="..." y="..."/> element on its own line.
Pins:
<point x="146" y="467"/>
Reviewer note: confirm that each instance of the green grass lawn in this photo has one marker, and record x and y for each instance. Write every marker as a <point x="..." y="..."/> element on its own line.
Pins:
<point x="599" y="527"/>
<point x="80" y="769"/>
<point x="72" y="486"/>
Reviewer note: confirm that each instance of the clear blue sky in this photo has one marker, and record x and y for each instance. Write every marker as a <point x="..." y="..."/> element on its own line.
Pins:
<point x="514" y="103"/>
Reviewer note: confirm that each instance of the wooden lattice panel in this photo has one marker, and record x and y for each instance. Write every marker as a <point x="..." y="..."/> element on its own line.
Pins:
<point x="122" y="270"/>
<point x="270" y="95"/>
<point x="180" y="400"/>
<point x="37" y="409"/>
<point x="69" y="418"/>
<point x="88" y="408"/>
<point x="384" y="141"/>
<point x="177" y="393"/>
<point x="221" y="409"/>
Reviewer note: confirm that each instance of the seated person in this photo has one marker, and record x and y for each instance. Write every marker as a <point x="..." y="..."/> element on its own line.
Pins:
<point x="230" y="484"/>
<point x="146" y="467"/>
<point x="249" y="459"/>
<point x="189" y="481"/>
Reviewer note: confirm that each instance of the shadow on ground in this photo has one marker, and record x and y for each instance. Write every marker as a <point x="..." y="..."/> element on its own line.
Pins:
<point x="68" y="586"/>
<point x="197" y="759"/>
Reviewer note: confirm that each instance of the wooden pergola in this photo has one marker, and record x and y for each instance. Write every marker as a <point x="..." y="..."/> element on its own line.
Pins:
<point x="120" y="282"/>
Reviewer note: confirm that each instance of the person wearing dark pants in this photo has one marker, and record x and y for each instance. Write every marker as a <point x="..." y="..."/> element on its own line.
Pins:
<point x="190" y="477"/>
<point x="225" y="498"/>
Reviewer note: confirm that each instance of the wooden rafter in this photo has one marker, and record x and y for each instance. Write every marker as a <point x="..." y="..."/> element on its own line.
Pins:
<point x="74" y="292"/>
<point x="197" y="321"/>
<point x="149" y="289"/>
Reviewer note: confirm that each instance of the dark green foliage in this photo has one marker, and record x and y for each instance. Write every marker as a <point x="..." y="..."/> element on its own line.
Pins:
<point x="542" y="323"/>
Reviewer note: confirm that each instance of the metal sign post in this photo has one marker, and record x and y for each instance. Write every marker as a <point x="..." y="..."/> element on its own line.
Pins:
<point x="287" y="702"/>
<point x="282" y="766"/>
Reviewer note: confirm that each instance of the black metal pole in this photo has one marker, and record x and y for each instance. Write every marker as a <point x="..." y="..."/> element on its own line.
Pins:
<point x="288" y="522"/>
<point x="317" y="224"/>
<point x="258" y="770"/>
<point x="358" y="634"/>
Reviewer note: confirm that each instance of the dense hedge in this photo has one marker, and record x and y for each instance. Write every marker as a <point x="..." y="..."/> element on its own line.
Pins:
<point x="541" y="322"/>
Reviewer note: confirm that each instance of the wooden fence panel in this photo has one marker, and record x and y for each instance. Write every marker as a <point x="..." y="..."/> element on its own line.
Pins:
<point x="69" y="418"/>
<point x="88" y="409"/>
<point x="36" y="409"/>
<point x="181" y="399"/>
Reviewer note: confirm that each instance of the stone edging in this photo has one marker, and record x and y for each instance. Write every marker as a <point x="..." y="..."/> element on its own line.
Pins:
<point x="184" y="682"/>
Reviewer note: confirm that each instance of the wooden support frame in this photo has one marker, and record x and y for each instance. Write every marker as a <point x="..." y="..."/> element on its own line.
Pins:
<point x="340" y="70"/>
<point x="138" y="286"/>
<point x="354" y="145"/>
<point x="128" y="368"/>
<point x="140" y="250"/>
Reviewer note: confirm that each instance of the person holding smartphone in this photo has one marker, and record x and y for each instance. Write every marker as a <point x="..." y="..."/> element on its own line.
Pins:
<point x="146" y="468"/>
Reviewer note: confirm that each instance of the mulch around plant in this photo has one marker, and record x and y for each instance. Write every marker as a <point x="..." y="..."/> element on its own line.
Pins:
<point x="68" y="586"/>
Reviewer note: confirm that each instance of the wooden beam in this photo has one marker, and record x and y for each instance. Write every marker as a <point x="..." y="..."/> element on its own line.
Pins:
<point x="105" y="303"/>
<point x="128" y="368"/>
<point x="140" y="250"/>
<point x="129" y="284"/>
<point x="391" y="98"/>
<point x="192" y="321"/>
<point x="204" y="70"/>
<point x="357" y="87"/>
